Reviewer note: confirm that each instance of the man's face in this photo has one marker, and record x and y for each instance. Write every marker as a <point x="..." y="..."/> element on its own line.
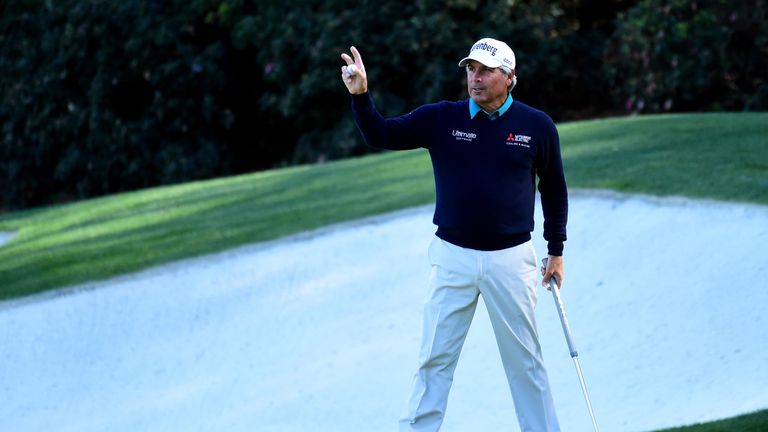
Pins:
<point x="487" y="86"/>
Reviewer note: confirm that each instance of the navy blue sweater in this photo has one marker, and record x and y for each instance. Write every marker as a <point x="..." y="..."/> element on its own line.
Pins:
<point x="485" y="171"/>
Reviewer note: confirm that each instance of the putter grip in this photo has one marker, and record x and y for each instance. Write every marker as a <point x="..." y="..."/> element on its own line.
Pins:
<point x="561" y="312"/>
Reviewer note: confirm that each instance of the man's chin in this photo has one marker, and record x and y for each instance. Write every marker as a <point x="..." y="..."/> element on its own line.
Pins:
<point x="477" y="96"/>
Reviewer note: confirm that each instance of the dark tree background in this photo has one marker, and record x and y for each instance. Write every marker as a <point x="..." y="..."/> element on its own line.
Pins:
<point x="101" y="96"/>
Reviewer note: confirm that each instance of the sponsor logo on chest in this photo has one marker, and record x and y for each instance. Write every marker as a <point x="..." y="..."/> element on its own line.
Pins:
<point x="519" y="140"/>
<point x="464" y="136"/>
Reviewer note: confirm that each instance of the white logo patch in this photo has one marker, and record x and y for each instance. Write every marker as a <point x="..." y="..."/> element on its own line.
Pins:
<point x="464" y="136"/>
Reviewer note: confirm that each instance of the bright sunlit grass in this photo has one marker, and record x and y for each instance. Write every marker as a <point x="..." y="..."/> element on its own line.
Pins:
<point x="722" y="156"/>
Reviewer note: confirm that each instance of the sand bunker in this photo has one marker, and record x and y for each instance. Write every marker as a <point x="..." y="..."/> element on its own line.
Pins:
<point x="320" y="332"/>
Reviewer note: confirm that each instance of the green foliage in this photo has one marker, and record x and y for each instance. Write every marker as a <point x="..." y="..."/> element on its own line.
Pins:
<point x="691" y="55"/>
<point x="92" y="102"/>
<point x="100" y="96"/>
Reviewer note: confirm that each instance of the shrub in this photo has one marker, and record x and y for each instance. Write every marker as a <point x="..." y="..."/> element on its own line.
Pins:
<point x="684" y="55"/>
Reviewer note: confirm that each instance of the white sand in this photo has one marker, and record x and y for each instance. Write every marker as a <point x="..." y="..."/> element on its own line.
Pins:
<point x="320" y="332"/>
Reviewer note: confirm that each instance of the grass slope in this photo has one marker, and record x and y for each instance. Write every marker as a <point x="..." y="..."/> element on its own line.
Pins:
<point x="722" y="156"/>
<point x="754" y="422"/>
<point x="95" y="239"/>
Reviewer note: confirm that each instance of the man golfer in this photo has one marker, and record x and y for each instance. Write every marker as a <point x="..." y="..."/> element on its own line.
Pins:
<point x="486" y="154"/>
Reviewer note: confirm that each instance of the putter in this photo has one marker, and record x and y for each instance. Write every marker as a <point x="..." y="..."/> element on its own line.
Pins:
<point x="553" y="285"/>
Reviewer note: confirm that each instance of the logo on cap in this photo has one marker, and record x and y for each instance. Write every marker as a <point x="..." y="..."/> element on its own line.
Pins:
<point x="485" y="47"/>
<point x="490" y="52"/>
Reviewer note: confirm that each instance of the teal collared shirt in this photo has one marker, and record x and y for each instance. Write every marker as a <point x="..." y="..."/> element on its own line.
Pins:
<point x="474" y="108"/>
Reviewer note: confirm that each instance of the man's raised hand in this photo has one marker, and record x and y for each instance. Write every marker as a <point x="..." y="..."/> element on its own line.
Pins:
<point x="353" y="73"/>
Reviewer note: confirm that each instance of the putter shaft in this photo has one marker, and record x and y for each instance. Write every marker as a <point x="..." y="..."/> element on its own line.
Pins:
<point x="553" y="285"/>
<point x="586" y="394"/>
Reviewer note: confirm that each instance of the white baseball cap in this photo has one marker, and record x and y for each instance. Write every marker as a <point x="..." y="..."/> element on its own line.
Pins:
<point x="490" y="52"/>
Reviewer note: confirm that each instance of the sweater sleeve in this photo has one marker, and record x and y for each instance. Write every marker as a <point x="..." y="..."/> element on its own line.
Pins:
<point x="554" y="192"/>
<point x="398" y="133"/>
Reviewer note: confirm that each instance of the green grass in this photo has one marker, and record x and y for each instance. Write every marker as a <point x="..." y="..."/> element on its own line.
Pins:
<point x="95" y="239"/>
<point x="722" y="156"/>
<point x="754" y="422"/>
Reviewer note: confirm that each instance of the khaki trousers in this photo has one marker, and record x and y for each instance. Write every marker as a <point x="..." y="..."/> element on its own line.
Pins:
<point x="507" y="280"/>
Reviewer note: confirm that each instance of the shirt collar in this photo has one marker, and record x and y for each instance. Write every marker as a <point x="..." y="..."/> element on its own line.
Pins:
<point x="474" y="108"/>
